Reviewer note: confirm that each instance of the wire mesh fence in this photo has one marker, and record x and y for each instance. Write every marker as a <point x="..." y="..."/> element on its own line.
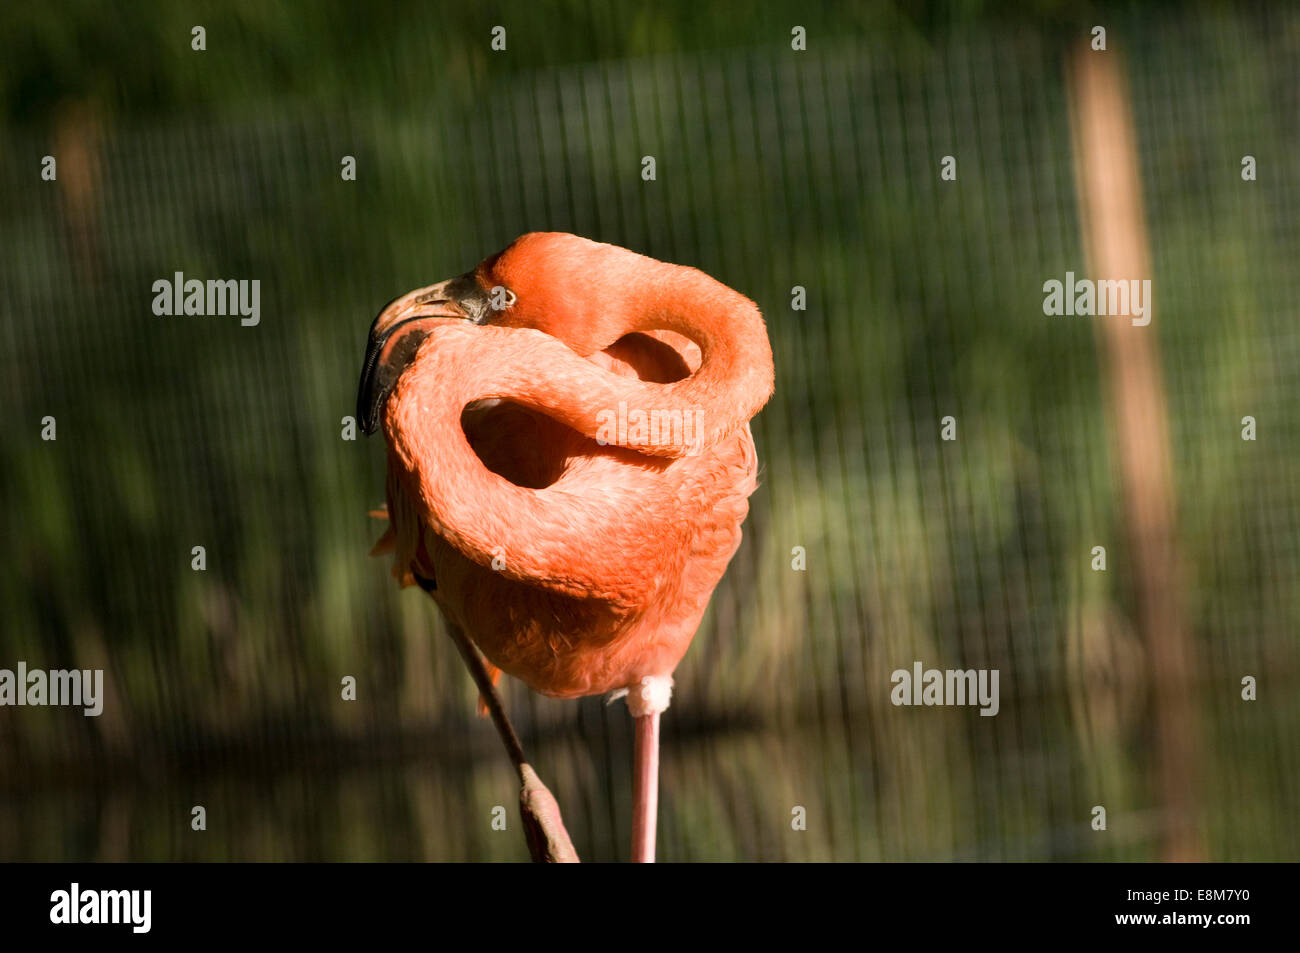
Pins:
<point x="873" y="542"/>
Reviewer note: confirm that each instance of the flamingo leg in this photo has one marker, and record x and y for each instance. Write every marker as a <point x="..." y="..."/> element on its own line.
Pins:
<point x="488" y="692"/>
<point x="645" y="788"/>
<point x="548" y="841"/>
<point x="646" y="701"/>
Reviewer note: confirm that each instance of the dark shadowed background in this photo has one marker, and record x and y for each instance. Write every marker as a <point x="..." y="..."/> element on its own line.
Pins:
<point x="775" y="168"/>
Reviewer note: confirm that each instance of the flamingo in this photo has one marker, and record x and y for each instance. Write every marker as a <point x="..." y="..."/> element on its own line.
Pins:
<point x="569" y="464"/>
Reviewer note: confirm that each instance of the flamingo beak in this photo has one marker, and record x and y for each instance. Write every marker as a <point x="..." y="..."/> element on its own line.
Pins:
<point x="399" y="329"/>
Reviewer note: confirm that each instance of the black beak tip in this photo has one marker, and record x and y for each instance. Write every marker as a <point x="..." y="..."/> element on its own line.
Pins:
<point x="371" y="395"/>
<point x="370" y="403"/>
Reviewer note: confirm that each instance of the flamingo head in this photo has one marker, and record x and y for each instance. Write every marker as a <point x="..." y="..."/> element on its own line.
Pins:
<point x="562" y="284"/>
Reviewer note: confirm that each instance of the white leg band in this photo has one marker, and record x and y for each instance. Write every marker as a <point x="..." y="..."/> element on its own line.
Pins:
<point x="650" y="696"/>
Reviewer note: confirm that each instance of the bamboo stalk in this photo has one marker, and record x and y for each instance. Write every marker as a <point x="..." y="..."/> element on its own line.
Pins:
<point x="1114" y="231"/>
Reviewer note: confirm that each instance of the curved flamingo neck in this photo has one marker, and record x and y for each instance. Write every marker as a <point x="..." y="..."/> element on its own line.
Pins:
<point x="595" y="299"/>
<point x="546" y="536"/>
<point x="735" y="376"/>
<point x="539" y="536"/>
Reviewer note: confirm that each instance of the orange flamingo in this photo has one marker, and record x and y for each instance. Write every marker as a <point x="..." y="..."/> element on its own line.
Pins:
<point x="569" y="465"/>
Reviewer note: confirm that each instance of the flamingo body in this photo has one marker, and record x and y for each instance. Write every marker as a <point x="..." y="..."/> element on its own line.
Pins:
<point x="575" y="564"/>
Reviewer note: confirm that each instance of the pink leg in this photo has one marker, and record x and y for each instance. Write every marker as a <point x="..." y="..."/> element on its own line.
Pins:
<point x="645" y="789"/>
<point x="548" y="841"/>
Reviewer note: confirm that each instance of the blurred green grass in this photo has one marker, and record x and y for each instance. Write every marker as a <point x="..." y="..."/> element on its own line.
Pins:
<point x="775" y="169"/>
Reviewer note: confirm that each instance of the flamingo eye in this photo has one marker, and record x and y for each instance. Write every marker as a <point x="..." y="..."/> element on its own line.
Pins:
<point x="501" y="298"/>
